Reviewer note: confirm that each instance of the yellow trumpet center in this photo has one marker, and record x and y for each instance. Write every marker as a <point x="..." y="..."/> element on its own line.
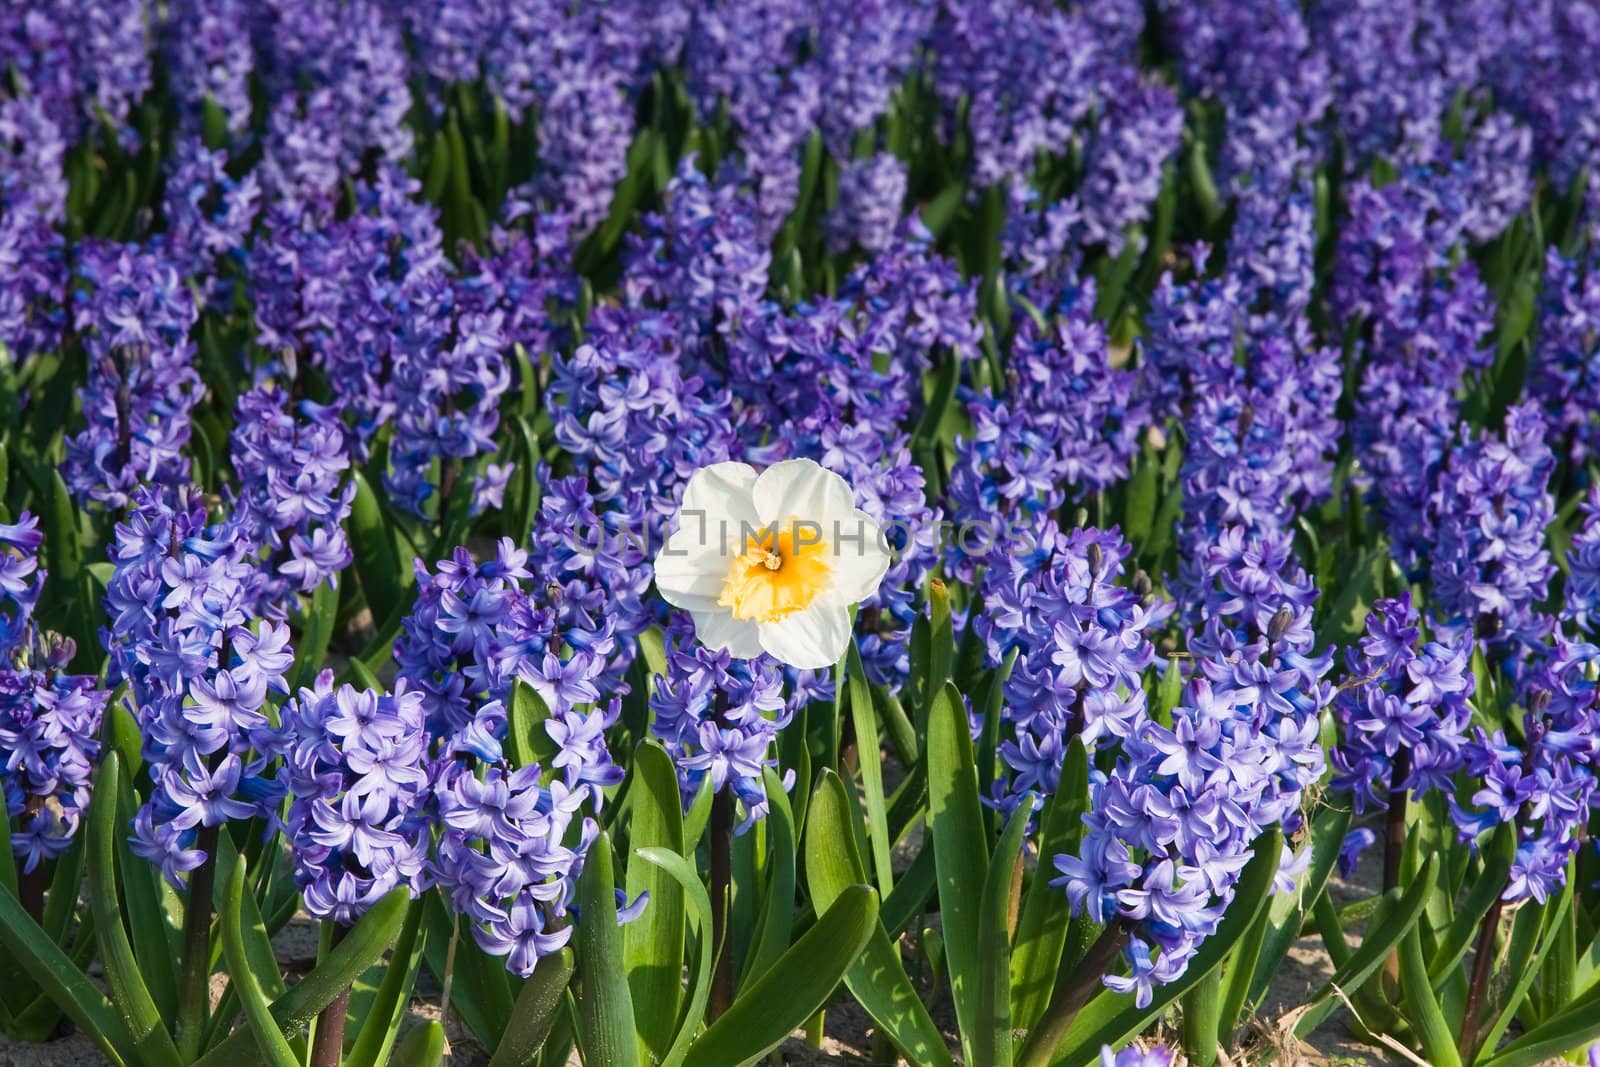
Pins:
<point x="778" y="574"/>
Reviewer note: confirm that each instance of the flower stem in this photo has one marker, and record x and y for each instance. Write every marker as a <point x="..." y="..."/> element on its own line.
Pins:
<point x="1482" y="963"/>
<point x="721" y="885"/>
<point x="1072" y="992"/>
<point x="194" y="990"/>
<point x="1394" y="841"/>
<point x="327" y="1048"/>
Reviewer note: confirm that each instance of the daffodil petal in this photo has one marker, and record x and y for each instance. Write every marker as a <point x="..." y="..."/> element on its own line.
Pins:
<point x="857" y="556"/>
<point x="805" y="490"/>
<point x="693" y="562"/>
<point x="718" y="630"/>
<point x="813" y="638"/>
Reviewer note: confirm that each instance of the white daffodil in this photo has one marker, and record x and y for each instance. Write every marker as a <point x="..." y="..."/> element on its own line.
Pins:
<point x="771" y="562"/>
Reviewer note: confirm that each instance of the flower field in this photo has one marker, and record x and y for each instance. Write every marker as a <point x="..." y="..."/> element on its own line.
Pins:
<point x="757" y="531"/>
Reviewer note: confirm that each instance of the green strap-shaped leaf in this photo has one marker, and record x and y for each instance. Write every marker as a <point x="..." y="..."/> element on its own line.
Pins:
<point x="388" y="1009"/>
<point x="1486" y="889"/>
<point x="652" y="945"/>
<point x="1288" y="911"/>
<point x="377" y="564"/>
<point x="864" y="716"/>
<point x="933" y="652"/>
<point x="1042" y="928"/>
<point x="1422" y="1007"/>
<point x="1112" y="1018"/>
<point x="992" y="1039"/>
<point x="960" y="850"/>
<point x="1572" y="1029"/>
<point x="688" y="879"/>
<point x="423" y="1046"/>
<point x="155" y="942"/>
<point x="1525" y="967"/>
<point x="1380" y="940"/>
<point x="541" y="1000"/>
<point x="271" y="1046"/>
<point x="877" y="979"/>
<point x="791" y="992"/>
<point x="699" y="813"/>
<point x="776" y="924"/>
<point x="526" y="737"/>
<point x="128" y="990"/>
<point x="312" y="647"/>
<point x="361" y="947"/>
<point x="606" y="1026"/>
<point x="63" y="981"/>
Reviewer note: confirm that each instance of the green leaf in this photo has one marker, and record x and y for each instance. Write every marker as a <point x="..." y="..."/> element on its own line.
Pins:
<point x="933" y="651"/>
<point x="1112" y="1018"/>
<point x="960" y="851"/>
<point x="1572" y="1029"/>
<point x="1379" y="942"/>
<point x="360" y="948"/>
<point x="938" y="212"/>
<point x="543" y="997"/>
<point x="128" y="990"/>
<point x="796" y="986"/>
<point x="526" y="737"/>
<point x="155" y="941"/>
<point x="1524" y="966"/>
<point x="423" y="1046"/>
<point x="312" y="647"/>
<point x="1042" y="929"/>
<point x="259" y="953"/>
<point x="1287" y="914"/>
<point x="652" y="945"/>
<point x="870" y="760"/>
<point x="387" y="1012"/>
<point x="877" y="979"/>
<point x="992" y="1039"/>
<point x="55" y="973"/>
<point x="605" y="1010"/>
<point x="688" y="879"/>
<point x="1422" y="1007"/>
<point x="699" y="813"/>
<point x="271" y="1046"/>
<point x="1486" y="889"/>
<point x="776" y="924"/>
<point x="377" y="564"/>
<point x="1142" y="491"/>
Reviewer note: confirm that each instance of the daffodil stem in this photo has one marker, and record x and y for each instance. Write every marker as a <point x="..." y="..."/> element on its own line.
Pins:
<point x="721" y="884"/>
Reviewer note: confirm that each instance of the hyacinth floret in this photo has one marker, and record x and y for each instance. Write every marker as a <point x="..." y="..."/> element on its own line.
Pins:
<point x="1542" y="785"/>
<point x="1404" y="708"/>
<point x="358" y="819"/>
<point x="294" y="491"/>
<point x="49" y="717"/>
<point x="513" y="838"/>
<point x="133" y="317"/>
<point x="1491" y="565"/>
<point x="719" y="716"/>
<point x="1077" y="631"/>
<point x="200" y="665"/>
